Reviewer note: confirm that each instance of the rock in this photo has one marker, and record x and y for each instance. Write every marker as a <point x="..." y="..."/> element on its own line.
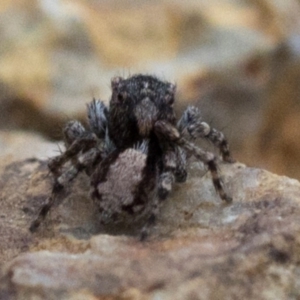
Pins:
<point x="200" y="248"/>
<point x="19" y="145"/>
<point x="21" y="153"/>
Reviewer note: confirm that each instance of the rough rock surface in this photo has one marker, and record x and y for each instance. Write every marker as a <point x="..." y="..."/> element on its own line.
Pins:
<point x="18" y="145"/>
<point x="199" y="249"/>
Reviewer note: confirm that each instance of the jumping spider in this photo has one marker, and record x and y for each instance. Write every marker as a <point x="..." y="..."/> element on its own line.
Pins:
<point x="134" y="151"/>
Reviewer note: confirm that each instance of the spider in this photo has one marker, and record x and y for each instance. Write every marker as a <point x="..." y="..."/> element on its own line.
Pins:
<point x="134" y="151"/>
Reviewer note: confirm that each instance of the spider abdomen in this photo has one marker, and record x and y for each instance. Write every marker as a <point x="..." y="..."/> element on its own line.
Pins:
<point x="118" y="196"/>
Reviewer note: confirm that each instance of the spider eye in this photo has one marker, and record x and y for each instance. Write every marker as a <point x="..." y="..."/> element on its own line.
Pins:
<point x="121" y="97"/>
<point x="169" y="99"/>
<point x="116" y="83"/>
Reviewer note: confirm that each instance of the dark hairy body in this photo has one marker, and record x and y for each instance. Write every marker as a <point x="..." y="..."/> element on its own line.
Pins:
<point x="134" y="151"/>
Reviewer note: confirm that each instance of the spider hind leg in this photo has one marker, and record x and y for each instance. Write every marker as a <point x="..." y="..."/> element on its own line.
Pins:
<point x="81" y="152"/>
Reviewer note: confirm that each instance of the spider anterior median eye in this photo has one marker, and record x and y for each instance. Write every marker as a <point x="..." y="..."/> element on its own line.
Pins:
<point x="169" y="99"/>
<point x="120" y="98"/>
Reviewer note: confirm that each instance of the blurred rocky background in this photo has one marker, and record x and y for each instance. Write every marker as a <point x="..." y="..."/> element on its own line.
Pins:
<point x="237" y="60"/>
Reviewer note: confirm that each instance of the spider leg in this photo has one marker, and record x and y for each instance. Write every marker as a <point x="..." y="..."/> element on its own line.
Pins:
<point x="181" y="163"/>
<point x="100" y="172"/>
<point x="170" y="132"/>
<point x="56" y="190"/>
<point x="97" y="117"/>
<point x="167" y="178"/>
<point x="82" y="163"/>
<point x="191" y="125"/>
<point x="174" y="169"/>
<point x="81" y="144"/>
<point x="77" y="140"/>
<point x="150" y="222"/>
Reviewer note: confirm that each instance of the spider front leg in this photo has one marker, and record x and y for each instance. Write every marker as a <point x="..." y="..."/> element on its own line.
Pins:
<point x="174" y="166"/>
<point x="150" y="222"/>
<point x="81" y="142"/>
<point x="191" y="125"/>
<point x="174" y="169"/>
<point x="170" y="132"/>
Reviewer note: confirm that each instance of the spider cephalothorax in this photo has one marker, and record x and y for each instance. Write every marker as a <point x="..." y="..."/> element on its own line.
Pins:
<point x="134" y="151"/>
<point x="136" y="104"/>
